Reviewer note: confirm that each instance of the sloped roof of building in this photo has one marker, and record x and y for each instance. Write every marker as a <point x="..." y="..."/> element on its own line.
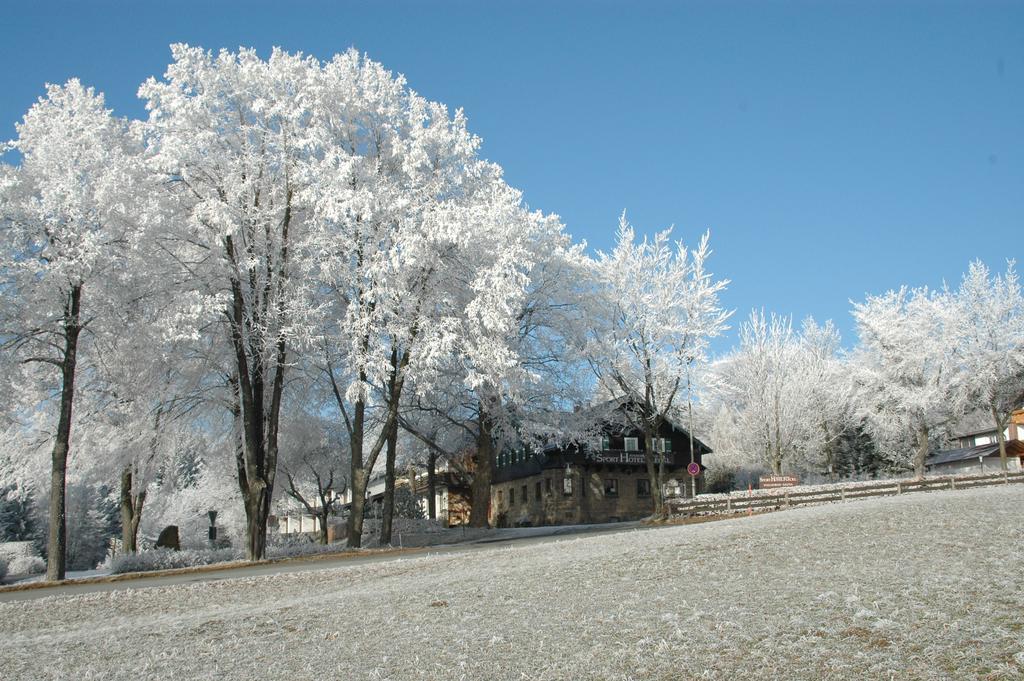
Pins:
<point x="1013" y="448"/>
<point x="604" y="410"/>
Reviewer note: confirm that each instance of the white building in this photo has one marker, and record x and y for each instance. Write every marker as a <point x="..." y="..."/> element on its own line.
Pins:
<point x="450" y="502"/>
<point x="978" y="450"/>
<point x="980" y="459"/>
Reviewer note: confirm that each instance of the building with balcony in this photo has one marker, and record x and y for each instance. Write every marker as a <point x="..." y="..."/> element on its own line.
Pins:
<point x="603" y="479"/>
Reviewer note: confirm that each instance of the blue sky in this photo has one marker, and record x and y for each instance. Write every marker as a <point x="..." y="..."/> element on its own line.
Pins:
<point x="833" y="149"/>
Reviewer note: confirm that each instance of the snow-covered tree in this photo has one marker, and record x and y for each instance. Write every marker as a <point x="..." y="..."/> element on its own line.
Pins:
<point x="68" y="221"/>
<point x="990" y="339"/>
<point x="829" y="392"/>
<point x="758" y="384"/>
<point x="654" y="314"/>
<point x="908" y="370"/>
<point x="92" y="523"/>
<point x="395" y="166"/>
<point x="425" y="260"/>
<point x="230" y="134"/>
<point x="313" y="460"/>
<point x="509" y="381"/>
<point x="17" y="513"/>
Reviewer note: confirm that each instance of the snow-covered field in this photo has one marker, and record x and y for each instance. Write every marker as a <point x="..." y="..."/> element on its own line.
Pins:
<point x="921" y="586"/>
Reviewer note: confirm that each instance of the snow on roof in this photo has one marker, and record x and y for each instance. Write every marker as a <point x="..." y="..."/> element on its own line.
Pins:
<point x="973" y="424"/>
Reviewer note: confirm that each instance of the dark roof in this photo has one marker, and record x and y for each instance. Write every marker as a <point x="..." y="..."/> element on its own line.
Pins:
<point x="602" y="411"/>
<point x="1013" y="448"/>
<point x="535" y="465"/>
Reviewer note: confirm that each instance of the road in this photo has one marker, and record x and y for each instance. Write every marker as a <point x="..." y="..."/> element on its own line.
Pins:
<point x="503" y="537"/>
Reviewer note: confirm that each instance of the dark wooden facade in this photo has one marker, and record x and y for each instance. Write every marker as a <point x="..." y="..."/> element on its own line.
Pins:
<point x="602" y="480"/>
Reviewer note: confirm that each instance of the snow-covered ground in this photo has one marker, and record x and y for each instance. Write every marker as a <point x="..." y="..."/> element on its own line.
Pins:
<point x="920" y="586"/>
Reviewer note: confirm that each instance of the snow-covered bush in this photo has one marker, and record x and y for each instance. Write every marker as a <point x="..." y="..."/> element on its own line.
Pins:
<point x="296" y="549"/>
<point x="27" y="565"/>
<point x="21" y="558"/>
<point x="167" y="559"/>
<point x="296" y="544"/>
<point x="720" y="479"/>
<point x="405" y="525"/>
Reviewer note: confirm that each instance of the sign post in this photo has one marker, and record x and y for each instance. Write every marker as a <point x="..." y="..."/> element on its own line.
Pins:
<point x="694" y="470"/>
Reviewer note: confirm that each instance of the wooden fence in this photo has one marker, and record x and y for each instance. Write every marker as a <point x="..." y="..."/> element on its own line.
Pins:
<point x="764" y="500"/>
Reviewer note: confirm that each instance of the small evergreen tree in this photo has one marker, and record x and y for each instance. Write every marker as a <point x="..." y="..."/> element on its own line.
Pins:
<point x="93" y="519"/>
<point x="18" y="520"/>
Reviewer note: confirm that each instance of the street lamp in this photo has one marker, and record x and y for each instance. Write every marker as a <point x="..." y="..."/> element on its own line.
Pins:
<point x="213" y="526"/>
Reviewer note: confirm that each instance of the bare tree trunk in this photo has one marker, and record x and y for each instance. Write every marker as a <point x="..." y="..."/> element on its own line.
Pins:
<point x="127" y="511"/>
<point x="324" y="513"/>
<point x="257" y="421"/>
<point x="922" y="451"/>
<point x="480" y="487"/>
<point x="131" y="511"/>
<point x="132" y="502"/>
<point x="389" y="485"/>
<point x="1000" y="438"/>
<point x="358" y="476"/>
<point x="362" y="468"/>
<point x="657" y="484"/>
<point x="432" y="485"/>
<point x="257" y="508"/>
<point x="256" y="459"/>
<point x="56" y="553"/>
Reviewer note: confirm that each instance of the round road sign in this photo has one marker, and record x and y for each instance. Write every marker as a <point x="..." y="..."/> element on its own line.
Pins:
<point x="693" y="469"/>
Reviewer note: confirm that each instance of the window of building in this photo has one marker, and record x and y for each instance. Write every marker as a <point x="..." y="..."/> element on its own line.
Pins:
<point x="631" y="444"/>
<point x="512" y="496"/>
<point x="567" y="486"/>
<point x="661" y="444"/>
<point x="606" y="443"/>
<point x="611" y="487"/>
<point x="547" y="485"/>
<point x="537" y="490"/>
<point x="643" y="487"/>
<point x="524" y="494"/>
<point x="499" y="497"/>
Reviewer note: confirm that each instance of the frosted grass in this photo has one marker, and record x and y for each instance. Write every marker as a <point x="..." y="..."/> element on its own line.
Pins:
<point x="922" y="586"/>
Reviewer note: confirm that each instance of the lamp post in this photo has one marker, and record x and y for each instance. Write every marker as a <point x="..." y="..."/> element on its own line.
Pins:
<point x="213" y="526"/>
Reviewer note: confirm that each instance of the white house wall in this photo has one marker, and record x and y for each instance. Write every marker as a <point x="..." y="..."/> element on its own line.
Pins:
<point x="991" y="465"/>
